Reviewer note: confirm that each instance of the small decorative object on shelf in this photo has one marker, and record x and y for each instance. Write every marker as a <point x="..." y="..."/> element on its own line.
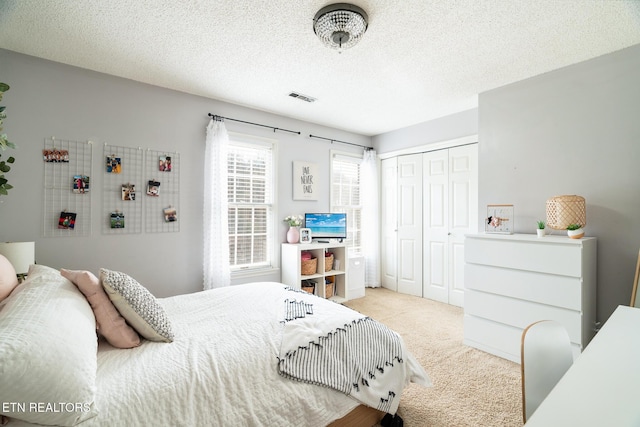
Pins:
<point x="575" y="231"/>
<point x="294" y="221"/>
<point x="565" y="210"/>
<point x="499" y="219"/>
<point x="305" y="235"/>
<point x="541" y="228"/>
<point x="293" y="235"/>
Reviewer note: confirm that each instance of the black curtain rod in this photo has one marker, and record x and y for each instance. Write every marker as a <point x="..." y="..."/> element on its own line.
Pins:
<point x="216" y="117"/>
<point x="341" y="142"/>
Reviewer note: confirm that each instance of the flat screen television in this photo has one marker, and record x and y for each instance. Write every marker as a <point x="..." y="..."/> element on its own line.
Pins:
<point x="326" y="225"/>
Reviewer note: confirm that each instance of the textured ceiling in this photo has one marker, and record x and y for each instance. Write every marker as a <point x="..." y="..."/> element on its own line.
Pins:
<point x="419" y="60"/>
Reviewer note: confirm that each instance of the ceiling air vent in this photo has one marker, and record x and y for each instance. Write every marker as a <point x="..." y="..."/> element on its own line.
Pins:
<point x="302" y="97"/>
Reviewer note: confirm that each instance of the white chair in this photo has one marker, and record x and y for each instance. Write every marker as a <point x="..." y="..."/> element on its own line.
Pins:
<point x="545" y="351"/>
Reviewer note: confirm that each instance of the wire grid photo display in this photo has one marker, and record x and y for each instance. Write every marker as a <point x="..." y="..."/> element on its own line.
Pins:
<point x="67" y="188"/>
<point x="122" y="190"/>
<point x="162" y="192"/>
<point x="499" y="219"/>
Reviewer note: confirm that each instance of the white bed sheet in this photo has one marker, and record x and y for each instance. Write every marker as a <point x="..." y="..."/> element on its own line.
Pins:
<point x="221" y="370"/>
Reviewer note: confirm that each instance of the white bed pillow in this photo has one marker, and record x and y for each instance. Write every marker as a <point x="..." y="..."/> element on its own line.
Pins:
<point x="137" y="305"/>
<point x="48" y="347"/>
<point x="8" y="278"/>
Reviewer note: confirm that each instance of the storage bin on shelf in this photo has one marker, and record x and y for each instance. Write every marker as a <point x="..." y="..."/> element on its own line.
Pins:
<point x="328" y="261"/>
<point x="329" y="287"/>
<point x="308" y="286"/>
<point x="308" y="265"/>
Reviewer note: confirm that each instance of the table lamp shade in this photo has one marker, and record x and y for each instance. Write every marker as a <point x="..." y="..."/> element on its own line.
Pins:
<point x="565" y="210"/>
<point x="20" y="254"/>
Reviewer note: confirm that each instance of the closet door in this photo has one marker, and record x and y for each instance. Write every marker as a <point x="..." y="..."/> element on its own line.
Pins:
<point x="389" y="223"/>
<point x="463" y="217"/>
<point x="451" y="205"/>
<point x="436" y="225"/>
<point x="409" y="261"/>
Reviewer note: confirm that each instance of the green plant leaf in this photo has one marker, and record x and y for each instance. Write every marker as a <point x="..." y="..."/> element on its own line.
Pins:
<point x="4" y="144"/>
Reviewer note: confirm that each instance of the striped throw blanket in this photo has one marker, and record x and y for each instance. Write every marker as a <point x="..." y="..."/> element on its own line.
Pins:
<point x="327" y="344"/>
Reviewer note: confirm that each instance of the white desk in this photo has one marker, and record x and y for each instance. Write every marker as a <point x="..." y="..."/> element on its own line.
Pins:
<point x="602" y="388"/>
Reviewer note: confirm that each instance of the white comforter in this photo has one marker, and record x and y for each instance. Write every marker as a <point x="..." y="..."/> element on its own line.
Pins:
<point x="221" y="370"/>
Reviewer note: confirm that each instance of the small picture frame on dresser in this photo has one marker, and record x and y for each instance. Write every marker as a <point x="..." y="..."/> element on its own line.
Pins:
<point x="499" y="219"/>
<point x="305" y="235"/>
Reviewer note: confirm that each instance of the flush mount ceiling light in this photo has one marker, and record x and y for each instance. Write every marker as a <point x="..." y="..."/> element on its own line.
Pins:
<point x="340" y="25"/>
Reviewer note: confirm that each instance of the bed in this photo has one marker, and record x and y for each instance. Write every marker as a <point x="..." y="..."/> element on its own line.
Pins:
<point x="247" y="355"/>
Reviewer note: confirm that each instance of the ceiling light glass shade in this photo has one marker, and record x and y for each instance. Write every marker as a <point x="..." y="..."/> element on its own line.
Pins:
<point x="340" y="26"/>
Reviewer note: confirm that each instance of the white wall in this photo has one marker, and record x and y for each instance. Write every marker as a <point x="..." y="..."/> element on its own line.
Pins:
<point x="446" y="128"/>
<point x="51" y="99"/>
<point x="571" y="131"/>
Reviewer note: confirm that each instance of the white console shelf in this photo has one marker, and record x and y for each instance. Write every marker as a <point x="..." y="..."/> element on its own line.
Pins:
<point x="514" y="280"/>
<point x="291" y="264"/>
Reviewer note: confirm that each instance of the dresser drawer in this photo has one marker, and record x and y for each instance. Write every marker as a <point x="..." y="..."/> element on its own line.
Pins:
<point x="492" y="337"/>
<point x="520" y="313"/>
<point x="558" y="291"/>
<point x="561" y="258"/>
<point x="497" y="338"/>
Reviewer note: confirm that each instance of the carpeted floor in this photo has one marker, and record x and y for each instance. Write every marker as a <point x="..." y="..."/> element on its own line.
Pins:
<point x="471" y="387"/>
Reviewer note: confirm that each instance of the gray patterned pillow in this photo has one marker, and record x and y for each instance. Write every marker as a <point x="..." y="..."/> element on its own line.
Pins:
<point x="137" y="305"/>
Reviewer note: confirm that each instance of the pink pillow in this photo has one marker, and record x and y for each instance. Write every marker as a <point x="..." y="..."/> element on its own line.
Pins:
<point x="111" y="324"/>
<point x="8" y="278"/>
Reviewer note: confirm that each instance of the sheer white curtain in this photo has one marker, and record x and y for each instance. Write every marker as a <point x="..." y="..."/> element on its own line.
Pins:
<point x="217" y="272"/>
<point x="370" y="218"/>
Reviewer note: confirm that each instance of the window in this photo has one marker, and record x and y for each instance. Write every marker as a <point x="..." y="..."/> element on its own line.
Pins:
<point x="345" y="195"/>
<point x="250" y="187"/>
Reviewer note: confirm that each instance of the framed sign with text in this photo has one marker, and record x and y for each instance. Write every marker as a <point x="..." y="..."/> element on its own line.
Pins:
<point x="305" y="176"/>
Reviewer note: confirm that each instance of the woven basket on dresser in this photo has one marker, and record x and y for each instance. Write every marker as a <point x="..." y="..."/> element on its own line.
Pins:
<point x="565" y="210"/>
<point x="328" y="263"/>
<point x="309" y="266"/>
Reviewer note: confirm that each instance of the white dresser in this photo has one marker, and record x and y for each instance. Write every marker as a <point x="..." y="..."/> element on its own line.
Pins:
<point x="514" y="280"/>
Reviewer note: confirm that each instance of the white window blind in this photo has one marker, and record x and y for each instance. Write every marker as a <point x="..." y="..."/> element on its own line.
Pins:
<point x="250" y="171"/>
<point x="345" y="195"/>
